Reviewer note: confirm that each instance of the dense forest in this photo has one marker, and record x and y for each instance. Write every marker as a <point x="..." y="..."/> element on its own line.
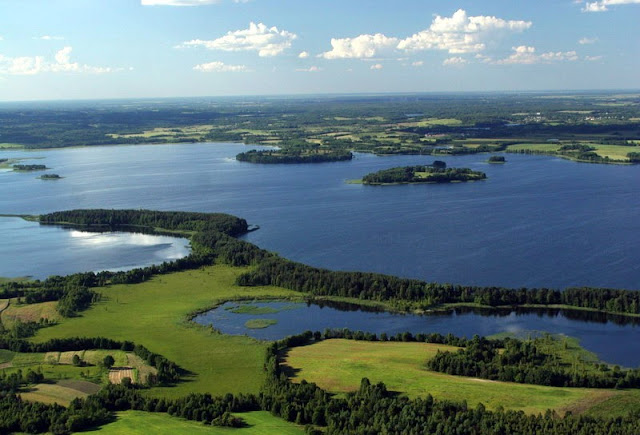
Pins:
<point x="27" y="168"/>
<point x="422" y="174"/>
<point x="525" y="362"/>
<point x="419" y="294"/>
<point x="269" y="156"/>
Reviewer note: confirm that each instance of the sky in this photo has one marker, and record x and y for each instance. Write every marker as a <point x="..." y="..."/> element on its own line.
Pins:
<point x="93" y="49"/>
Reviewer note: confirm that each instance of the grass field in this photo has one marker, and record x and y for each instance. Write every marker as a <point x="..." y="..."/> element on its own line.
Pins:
<point x="53" y="393"/>
<point x="153" y="314"/>
<point x="29" y="312"/>
<point x="339" y="365"/>
<point x="615" y="152"/>
<point x="143" y="423"/>
<point x="195" y="132"/>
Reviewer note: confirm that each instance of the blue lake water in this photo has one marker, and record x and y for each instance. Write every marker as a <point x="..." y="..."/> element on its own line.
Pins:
<point x="30" y="249"/>
<point x="615" y="343"/>
<point x="536" y="222"/>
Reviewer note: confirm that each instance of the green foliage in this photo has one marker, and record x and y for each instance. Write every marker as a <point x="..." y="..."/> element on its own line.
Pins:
<point x="422" y="174"/>
<point x="108" y="361"/>
<point x="298" y="156"/>
<point x="419" y="294"/>
<point x="526" y="362"/>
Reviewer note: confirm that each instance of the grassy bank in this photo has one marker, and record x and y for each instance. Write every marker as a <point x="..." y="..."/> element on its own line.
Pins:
<point x="153" y="314"/>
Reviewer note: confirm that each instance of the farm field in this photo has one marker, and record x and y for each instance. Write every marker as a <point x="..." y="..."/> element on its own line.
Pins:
<point x="615" y="152"/>
<point x="138" y="422"/>
<point x="154" y="314"/>
<point x="61" y="393"/>
<point x="339" y="365"/>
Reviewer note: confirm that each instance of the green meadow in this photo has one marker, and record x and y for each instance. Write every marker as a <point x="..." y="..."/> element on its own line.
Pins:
<point x="339" y="365"/>
<point x="155" y="314"/>
<point x="143" y="423"/>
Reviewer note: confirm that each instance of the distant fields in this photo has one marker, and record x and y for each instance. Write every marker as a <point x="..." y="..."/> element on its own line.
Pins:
<point x="153" y="314"/>
<point x="615" y="152"/>
<point x="143" y="423"/>
<point x="339" y="365"/>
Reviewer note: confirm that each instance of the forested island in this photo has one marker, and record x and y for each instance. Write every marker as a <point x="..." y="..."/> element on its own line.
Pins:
<point x="422" y="174"/>
<point x="497" y="159"/>
<point x="29" y="168"/>
<point x="294" y="156"/>
<point x="50" y="177"/>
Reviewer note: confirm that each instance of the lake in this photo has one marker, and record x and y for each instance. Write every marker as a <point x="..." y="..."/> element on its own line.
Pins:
<point x="537" y="221"/>
<point x="609" y="340"/>
<point x="31" y="249"/>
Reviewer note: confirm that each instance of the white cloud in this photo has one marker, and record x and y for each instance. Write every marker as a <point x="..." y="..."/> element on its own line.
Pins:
<point x="178" y="2"/>
<point x="377" y="66"/>
<point x="31" y="65"/>
<point x="526" y="55"/>
<point x="586" y="41"/>
<point x="360" y="47"/>
<point x="417" y="63"/>
<point x="303" y="55"/>
<point x="454" y="61"/>
<point x="461" y="33"/>
<point x="603" y="5"/>
<point x="592" y="58"/>
<point x="49" y="38"/>
<point x="219" y="67"/>
<point x="310" y="69"/>
<point x="267" y="41"/>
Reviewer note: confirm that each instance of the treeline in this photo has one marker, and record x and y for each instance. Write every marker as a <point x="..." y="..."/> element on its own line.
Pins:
<point x="17" y="415"/>
<point x="294" y="156"/>
<point x="422" y="174"/>
<point x="168" y="372"/>
<point x="525" y="362"/>
<point x="419" y="294"/>
<point x="29" y="167"/>
<point x="374" y="409"/>
<point x="166" y="220"/>
<point x="214" y="237"/>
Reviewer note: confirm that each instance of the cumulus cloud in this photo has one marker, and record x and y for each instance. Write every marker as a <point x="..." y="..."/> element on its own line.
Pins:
<point x="267" y="41"/>
<point x="460" y="33"/>
<point x="219" y="67"/>
<point x="526" y="55"/>
<point x="360" y="47"/>
<point x="31" y="65"/>
<point x="303" y="55"/>
<point x="177" y="2"/>
<point x="377" y="66"/>
<point x="417" y="63"/>
<point x="592" y="58"/>
<point x="454" y="61"/>
<point x="603" y="5"/>
<point x="310" y="69"/>
<point x="587" y="41"/>
<point x="457" y="34"/>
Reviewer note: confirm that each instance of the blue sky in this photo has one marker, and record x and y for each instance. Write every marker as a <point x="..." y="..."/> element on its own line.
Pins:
<point x="76" y="49"/>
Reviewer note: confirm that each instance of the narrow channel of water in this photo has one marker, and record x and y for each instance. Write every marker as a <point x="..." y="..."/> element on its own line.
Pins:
<point x="613" y="338"/>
